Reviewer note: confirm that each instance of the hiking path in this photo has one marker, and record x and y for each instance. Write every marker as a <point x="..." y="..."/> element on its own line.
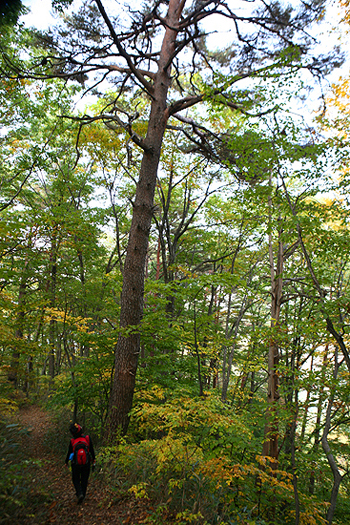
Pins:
<point x="101" y="505"/>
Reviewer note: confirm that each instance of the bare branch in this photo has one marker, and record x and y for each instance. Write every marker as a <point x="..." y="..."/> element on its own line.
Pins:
<point x="122" y="51"/>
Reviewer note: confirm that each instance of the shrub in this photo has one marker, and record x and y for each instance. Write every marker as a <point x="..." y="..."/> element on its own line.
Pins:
<point x="198" y="464"/>
<point x="17" y="498"/>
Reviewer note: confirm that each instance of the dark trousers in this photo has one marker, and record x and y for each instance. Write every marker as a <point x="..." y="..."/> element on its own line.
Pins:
<point x="80" y="478"/>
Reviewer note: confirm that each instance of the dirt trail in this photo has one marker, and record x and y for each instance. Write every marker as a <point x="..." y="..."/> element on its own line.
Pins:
<point x="99" y="507"/>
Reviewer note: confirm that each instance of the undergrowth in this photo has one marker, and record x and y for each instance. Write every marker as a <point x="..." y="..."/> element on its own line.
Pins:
<point x="20" y="494"/>
<point x="196" y="462"/>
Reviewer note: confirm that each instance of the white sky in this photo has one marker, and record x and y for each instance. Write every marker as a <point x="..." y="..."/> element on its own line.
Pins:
<point x="40" y="15"/>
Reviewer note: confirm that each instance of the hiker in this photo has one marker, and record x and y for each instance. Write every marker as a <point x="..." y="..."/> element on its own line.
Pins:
<point x="81" y="455"/>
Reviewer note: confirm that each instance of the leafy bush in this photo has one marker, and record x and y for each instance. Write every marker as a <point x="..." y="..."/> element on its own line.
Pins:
<point x="197" y="462"/>
<point x="16" y="472"/>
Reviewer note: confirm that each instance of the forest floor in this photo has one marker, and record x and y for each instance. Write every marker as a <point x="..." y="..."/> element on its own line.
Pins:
<point x="52" y="478"/>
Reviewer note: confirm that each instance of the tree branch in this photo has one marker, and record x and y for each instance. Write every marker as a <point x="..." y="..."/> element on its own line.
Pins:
<point x="107" y="118"/>
<point x="138" y="74"/>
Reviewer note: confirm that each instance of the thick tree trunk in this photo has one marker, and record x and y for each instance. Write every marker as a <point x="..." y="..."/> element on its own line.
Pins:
<point x="128" y="345"/>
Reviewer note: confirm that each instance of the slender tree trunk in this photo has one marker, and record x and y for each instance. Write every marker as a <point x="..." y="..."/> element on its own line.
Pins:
<point x="199" y="367"/>
<point x="158" y="260"/>
<point x="317" y="431"/>
<point x="270" y="447"/>
<point x="28" y="375"/>
<point x="306" y="405"/>
<point x="252" y="387"/>
<point x="294" y="467"/>
<point x="52" y="327"/>
<point x="271" y="432"/>
<point x="128" y="345"/>
<point x="292" y="402"/>
<point x="14" y="367"/>
<point x="337" y="477"/>
<point x="227" y="356"/>
<point x="229" y="359"/>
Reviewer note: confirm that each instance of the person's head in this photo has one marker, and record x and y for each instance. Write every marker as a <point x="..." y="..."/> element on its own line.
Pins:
<point x="75" y="429"/>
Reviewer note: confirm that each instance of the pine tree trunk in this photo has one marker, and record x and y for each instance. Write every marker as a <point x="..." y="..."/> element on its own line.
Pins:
<point x="128" y="345"/>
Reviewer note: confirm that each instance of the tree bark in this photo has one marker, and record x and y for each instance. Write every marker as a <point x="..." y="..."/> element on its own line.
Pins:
<point x="306" y="404"/>
<point x="317" y="430"/>
<point x="128" y="345"/>
<point x="228" y="366"/>
<point x="52" y="301"/>
<point x="14" y="367"/>
<point x="270" y="447"/>
<point x="337" y="477"/>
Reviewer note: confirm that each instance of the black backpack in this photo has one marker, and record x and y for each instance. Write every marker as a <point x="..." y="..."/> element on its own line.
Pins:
<point x="81" y="451"/>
